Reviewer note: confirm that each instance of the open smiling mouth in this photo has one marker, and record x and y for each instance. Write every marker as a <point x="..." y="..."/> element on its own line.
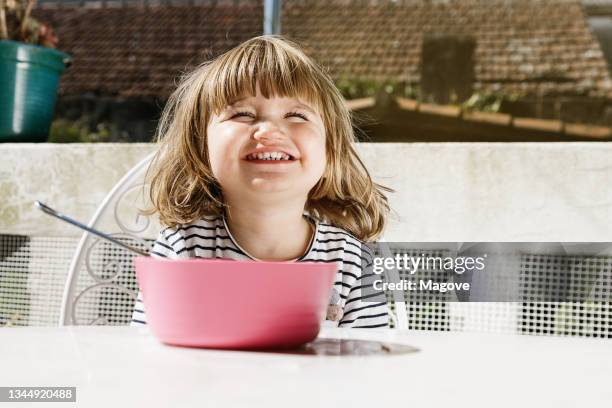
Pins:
<point x="270" y="158"/>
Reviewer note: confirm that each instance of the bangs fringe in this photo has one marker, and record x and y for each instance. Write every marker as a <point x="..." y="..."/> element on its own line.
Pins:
<point x="279" y="69"/>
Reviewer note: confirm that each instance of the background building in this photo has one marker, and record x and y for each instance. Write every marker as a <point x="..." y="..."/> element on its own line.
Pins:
<point x="524" y="58"/>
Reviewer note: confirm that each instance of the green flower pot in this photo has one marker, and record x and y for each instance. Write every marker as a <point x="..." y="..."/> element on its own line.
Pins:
<point x="29" y="76"/>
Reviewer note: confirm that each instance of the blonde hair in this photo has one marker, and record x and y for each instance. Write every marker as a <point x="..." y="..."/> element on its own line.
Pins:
<point x="182" y="186"/>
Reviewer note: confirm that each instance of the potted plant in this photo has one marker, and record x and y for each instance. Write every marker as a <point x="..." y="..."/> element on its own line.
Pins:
<point x="30" y="68"/>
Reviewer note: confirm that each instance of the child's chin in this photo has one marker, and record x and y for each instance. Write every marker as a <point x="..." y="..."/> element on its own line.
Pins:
<point x="272" y="185"/>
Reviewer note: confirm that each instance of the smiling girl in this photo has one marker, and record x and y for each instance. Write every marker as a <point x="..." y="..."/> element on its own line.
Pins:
<point x="257" y="162"/>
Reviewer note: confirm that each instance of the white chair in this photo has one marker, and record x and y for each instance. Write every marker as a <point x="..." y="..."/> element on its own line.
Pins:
<point x="101" y="286"/>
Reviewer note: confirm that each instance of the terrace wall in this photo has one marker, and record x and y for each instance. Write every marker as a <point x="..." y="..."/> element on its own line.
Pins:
<point x="444" y="192"/>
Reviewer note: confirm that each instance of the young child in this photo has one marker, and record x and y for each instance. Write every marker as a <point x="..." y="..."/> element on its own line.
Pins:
<point x="256" y="162"/>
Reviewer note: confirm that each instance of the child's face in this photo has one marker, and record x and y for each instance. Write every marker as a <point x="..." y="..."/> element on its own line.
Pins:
<point x="243" y="138"/>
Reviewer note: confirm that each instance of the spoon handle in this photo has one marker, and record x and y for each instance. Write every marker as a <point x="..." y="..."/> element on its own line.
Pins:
<point x="48" y="210"/>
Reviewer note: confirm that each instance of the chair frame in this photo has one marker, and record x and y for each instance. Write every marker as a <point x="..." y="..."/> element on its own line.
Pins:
<point x="88" y="241"/>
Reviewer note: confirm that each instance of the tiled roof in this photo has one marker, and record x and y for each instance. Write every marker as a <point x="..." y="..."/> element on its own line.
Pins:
<point x="139" y="52"/>
<point x="537" y="46"/>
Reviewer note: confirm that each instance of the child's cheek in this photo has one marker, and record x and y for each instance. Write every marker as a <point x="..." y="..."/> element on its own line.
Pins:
<point x="221" y="152"/>
<point x="317" y="157"/>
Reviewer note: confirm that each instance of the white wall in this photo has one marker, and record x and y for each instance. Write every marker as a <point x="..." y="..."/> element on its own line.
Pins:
<point x="72" y="178"/>
<point x="497" y="192"/>
<point x="444" y="192"/>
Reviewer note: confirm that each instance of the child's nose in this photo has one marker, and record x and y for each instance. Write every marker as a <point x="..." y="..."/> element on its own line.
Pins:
<point x="268" y="133"/>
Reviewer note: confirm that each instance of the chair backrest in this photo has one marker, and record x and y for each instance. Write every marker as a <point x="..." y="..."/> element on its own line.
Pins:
<point x="101" y="286"/>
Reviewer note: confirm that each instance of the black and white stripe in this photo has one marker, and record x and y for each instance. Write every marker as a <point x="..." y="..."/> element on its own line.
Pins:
<point x="211" y="239"/>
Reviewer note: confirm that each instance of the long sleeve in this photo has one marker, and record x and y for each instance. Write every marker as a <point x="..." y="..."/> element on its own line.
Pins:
<point x="362" y="311"/>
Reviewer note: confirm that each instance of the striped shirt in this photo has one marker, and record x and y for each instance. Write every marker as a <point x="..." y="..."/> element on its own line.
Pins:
<point x="212" y="239"/>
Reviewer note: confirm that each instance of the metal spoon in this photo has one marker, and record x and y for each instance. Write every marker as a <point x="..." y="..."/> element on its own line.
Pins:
<point x="48" y="210"/>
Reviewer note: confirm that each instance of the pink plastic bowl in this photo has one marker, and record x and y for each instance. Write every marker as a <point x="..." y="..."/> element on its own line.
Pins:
<point x="234" y="304"/>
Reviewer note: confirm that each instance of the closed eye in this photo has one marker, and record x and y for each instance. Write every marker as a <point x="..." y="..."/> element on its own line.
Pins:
<point x="297" y="114"/>
<point x="239" y="114"/>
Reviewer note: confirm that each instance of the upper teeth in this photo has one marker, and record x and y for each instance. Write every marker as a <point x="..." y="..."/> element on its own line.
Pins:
<point x="269" y="156"/>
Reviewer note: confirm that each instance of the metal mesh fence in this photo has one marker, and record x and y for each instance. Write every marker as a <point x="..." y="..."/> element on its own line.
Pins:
<point x="588" y="283"/>
<point x="584" y="281"/>
<point x="33" y="271"/>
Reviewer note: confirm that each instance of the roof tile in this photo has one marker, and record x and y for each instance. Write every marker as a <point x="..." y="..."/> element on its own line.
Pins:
<point x="137" y="51"/>
<point x="522" y="45"/>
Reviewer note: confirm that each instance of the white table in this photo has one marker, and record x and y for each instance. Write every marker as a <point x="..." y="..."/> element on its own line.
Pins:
<point x="126" y="366"/>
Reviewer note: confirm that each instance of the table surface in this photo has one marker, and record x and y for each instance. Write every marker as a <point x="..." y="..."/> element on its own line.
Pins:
<point x="346" y="368"/>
